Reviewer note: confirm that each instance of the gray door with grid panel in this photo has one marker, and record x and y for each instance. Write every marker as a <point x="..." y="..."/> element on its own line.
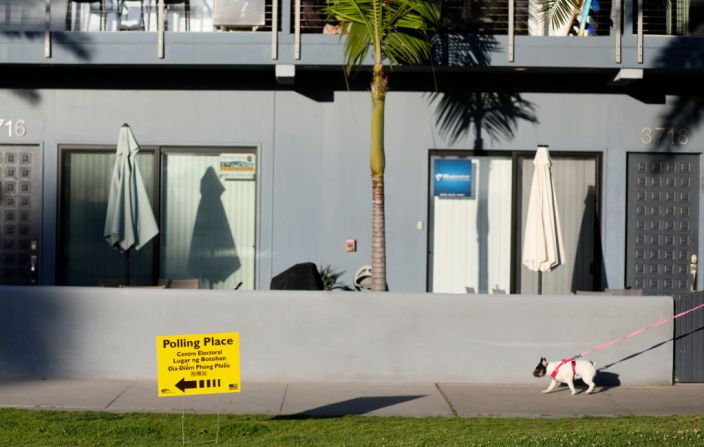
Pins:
<point x="20" y="214"/>
<point x="662" y="221"/>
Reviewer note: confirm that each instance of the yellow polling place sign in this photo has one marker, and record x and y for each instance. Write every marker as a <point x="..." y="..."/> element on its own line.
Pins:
<point x="198" y="364"/>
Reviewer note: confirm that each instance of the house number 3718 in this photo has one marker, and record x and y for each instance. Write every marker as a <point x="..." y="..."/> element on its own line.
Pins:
<point x="16" y="128"/>
<point x="661" y="135"/>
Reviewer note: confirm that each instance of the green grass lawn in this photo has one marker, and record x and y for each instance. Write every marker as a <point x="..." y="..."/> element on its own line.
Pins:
<point x="68" y="428"/>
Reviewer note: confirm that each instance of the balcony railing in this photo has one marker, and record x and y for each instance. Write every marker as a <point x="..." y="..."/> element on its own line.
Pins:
<point x="483" y="17"/>
<point x="459" y="18"/>
<point x="660" y="17"/>
<point x="313" y="18"/>
<point x="672" y="17"/>
<point x="136" y="15"/>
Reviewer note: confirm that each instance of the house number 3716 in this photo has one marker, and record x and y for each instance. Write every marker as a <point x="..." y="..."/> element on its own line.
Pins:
<point x="14" y="128"/>
<point x="661" y="135"/>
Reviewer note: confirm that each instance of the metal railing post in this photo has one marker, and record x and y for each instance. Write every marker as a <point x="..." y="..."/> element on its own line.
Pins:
<point x="618" y="11"/>
<point x="160" y="23"/>
<point x="510" y="29"/>
<point x="275" y="29"/>
<point x="640" y="32"/>
<point x="47" y="28"/>
<point x="297" y="31"/>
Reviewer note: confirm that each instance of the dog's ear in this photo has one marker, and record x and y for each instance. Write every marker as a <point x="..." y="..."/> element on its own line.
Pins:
<point x="544" y="361"/>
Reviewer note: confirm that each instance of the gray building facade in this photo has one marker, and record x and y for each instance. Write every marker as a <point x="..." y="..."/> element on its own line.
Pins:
<point x="619" y="111"/>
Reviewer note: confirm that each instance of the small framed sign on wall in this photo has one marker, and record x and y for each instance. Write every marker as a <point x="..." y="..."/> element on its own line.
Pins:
<point x="452" y="178"/>
<point x="238" y="166"/>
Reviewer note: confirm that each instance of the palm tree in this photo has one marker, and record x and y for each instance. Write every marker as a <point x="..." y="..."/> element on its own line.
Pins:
<point x="396" y="31"/>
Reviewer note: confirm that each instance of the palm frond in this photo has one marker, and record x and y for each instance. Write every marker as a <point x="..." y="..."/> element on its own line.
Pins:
<point x="558" y="12"/>
<point x="401" y="28"/>
<point x="417" y="14"/>
<point x="358" y="43"/>
<point x="407" y="48"/>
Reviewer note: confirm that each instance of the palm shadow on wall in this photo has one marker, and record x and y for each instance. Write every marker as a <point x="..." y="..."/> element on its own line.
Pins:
<point x="687" y="54"/>
<point x="684" y="115"/>
<point x="496" y="114"/>
<point x="493" y="113"/>
<point x="213" y="255"/>
<point x="459" y="108"/>
<point x="13" y="27"/>
<point x="461" y="111"/>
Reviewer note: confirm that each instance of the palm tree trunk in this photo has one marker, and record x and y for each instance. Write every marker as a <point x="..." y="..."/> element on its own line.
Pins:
<point x="376" y="157"/>
<point x="378" y="236"/>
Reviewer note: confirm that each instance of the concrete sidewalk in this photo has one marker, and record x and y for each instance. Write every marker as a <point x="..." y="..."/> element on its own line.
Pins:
<point x="327" y="399"/>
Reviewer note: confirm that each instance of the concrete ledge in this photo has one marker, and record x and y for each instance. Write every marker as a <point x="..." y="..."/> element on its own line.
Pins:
<point x="333" y="336"/>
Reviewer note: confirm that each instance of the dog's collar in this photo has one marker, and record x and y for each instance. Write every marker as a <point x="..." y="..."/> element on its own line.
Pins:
<point x="574" y="367"/>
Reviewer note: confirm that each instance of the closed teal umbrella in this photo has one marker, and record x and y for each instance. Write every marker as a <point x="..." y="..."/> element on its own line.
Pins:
<point x="129" y="222"/>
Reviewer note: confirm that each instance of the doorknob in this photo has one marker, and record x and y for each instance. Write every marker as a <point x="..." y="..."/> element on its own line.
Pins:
<point x="693" y="273"/>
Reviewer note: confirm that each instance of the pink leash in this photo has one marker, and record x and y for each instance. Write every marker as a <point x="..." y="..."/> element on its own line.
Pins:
<point x="632" y="334"/>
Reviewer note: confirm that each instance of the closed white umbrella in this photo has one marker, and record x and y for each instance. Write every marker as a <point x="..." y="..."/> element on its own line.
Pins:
<point x="129" y="221"/>
<point x="543" y="249"/>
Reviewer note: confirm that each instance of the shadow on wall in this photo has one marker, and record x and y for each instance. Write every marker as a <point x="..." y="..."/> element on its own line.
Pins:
<point x="31" y="96"/>
<point x="685" y="113"/>
<point x="14" y="25"/>
<point x="588" y="261"/>
<point x="31" y="339"/>
<point x="494" y="113"/>
<point x="683" y="117"/>
<point x="458" y="110"/>
<point x="73" y="45"/>
<point x="455" y="50"/>
<point x="213" y="255"/>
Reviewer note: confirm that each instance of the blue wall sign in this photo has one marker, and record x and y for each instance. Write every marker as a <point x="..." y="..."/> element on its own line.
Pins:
<point x="452" y="178"/>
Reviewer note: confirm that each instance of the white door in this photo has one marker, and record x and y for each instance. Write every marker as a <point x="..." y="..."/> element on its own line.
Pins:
<point x="471" y="236"/>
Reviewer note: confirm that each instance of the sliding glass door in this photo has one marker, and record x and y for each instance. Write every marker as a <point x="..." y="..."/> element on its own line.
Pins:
<point x="85" y="258"/>
<point x="575" y="180"/>
<point x="208" y="218"/>
<point x="204" y="200"/>
<point x="476" y="239"/>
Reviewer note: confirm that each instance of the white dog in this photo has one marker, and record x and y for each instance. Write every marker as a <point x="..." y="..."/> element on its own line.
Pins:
<point x="567" y="371"/>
